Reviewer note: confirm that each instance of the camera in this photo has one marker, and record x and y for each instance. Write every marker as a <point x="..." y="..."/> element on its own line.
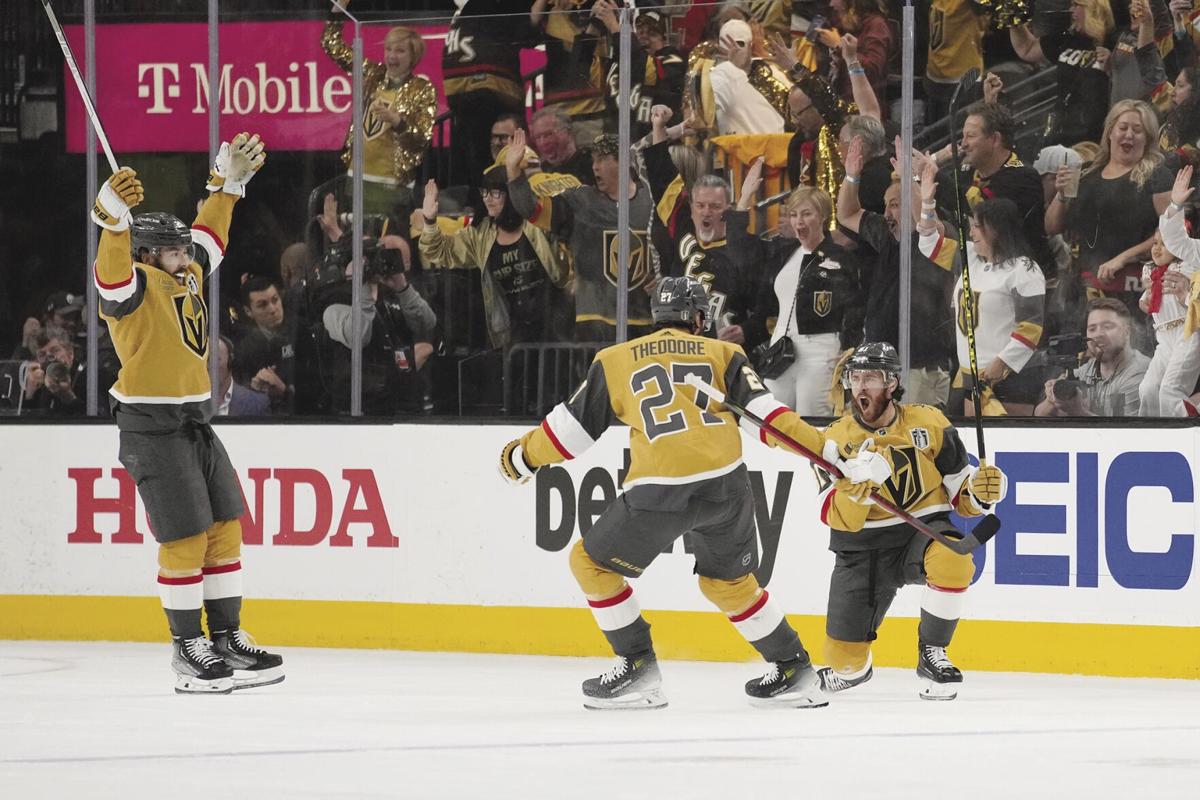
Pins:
<point x="1067" y="389"/>
<point x="1065" y="349"/>
<point x="378" y="261"/>
<point x="58" y="371"/>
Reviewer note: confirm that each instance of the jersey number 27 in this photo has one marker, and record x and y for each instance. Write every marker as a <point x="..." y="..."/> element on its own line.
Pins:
<point x="662" y="394"/>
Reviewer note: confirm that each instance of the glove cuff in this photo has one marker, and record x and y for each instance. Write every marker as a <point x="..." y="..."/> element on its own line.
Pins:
<point x="108" y="222"/>
<point x="522" y="466"/>
<point x="219" y="183"/>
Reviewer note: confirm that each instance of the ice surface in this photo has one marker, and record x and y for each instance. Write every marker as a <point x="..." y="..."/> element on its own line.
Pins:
<point x="100" y="720"/>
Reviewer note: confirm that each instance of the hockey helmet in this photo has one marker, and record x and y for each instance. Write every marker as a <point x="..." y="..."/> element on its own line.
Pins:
<point x="158" y="229"/>
<point x="677" y="300"/>
<point x="879" y="356"/>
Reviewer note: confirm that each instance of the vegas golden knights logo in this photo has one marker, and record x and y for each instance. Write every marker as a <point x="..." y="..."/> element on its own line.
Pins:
<point x="639" y="264"/>
<point x="822" y="303"/>
<point x="192" y="314"/>
<point x="905" y="484"/>
<point x="373" y="124"/>
<point x="962" y="310"/>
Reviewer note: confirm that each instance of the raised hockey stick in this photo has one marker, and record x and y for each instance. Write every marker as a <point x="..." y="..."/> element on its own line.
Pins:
<point x="83" y="92"/>
<point x="971" y="76"/>
<point x="986" y="529"/>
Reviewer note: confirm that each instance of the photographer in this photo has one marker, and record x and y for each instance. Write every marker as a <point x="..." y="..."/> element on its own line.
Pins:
<point x="1106" y="385"/>
<point x="63" y="388"/>
<point x="397" y="332"/>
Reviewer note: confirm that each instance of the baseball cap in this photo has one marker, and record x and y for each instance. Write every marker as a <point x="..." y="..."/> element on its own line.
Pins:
<point x="64" y="301"/>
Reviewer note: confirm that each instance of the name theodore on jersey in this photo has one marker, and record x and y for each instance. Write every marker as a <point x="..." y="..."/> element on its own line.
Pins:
<point x="675" y="347"/>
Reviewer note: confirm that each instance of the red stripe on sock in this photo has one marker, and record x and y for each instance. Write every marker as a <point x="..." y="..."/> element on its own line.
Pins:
<point x="189" y="580"/>
<point x="617" y="599"/>
<point x="223" y="568"/>
<point x="752" y="610"/>
<point x="937" y="588"/>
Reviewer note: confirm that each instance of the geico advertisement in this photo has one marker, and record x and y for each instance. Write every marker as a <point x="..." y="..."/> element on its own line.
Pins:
<point x="1098" y="526"/>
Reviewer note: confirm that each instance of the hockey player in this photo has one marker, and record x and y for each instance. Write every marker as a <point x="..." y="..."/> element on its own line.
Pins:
<point x="150" y="285"/>
<point x="875" y="553"/>
<point x="685" y="474"/>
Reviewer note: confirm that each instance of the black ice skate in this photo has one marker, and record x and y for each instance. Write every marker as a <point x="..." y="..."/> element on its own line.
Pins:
<point x="198" y="670"/>
<point x="634" y="682"/>
<point x="251" y="665"/>
<point x="833" y="682"/>
<point x="940" y="679"/>
<point x="787" y="685"/>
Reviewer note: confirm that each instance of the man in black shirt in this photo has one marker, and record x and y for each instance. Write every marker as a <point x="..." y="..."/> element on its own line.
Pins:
<point x="267" y="349"/>
<point x="992" y="169"/>
<point x="932" y="329"/>
<point x="688" y="231"/>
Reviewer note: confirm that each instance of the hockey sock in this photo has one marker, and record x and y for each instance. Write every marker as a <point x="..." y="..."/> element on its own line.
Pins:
<point x="223" y="596"/>
<point x="620" y="617"/>
<point x="764" y="627"/>
<point x="182" y="598"/>
<point x="940" y="609"/>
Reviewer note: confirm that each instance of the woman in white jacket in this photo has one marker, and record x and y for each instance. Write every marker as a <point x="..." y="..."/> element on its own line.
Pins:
<point x="1009" y="298"/>
<point x="1175" y="367"/>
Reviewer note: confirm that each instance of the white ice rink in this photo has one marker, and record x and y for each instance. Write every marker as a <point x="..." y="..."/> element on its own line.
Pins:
<point x="99" y="720"/>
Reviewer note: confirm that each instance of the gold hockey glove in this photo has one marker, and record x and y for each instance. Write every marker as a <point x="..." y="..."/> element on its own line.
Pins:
<point x="119" y="193"/>
<point x="988" y="485"/>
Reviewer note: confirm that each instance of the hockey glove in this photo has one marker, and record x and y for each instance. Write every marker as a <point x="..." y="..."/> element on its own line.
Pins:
<point x="119" y="193"/>
<point x="513" y="467"/>
<point x="988" y="485"/>
<point x="858" y="492"/>
<point x="867" y="466"/>
<point x="236" y="164"/>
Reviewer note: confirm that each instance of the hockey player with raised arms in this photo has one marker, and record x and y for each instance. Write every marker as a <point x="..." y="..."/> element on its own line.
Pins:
<point x="685" y="474"/>
<point x="876" y="553"/>
<point x="151" y="295"/>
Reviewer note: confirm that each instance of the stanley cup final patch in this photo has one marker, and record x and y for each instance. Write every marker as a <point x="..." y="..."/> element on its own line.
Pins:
<point x="920" y="438"/>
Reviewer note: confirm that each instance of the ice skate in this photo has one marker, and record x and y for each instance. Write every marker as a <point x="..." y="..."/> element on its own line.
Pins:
<point x="634" y="682"/>
<point x="940" y="679"/>
<point x="251" y="665"/>
<point x="198" y="670"/>
<point x="833" y="682"/>
<point x="787" y="685"/>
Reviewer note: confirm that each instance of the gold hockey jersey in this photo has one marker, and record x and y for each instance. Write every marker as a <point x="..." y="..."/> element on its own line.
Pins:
<point x="159" y="323"/>
<point x="675" y="436"/>
<point x="929" y="477"/>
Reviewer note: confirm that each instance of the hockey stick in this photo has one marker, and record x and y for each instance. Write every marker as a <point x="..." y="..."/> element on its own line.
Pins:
<point x="83" y="92"/>
<point x="969" y="78"/>
<point x="986" y="529"/>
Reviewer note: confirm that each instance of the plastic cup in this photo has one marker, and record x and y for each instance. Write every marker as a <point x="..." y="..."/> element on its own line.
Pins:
<point x="1072" y="187"/>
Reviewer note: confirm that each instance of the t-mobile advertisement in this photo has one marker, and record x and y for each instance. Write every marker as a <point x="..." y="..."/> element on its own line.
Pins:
<point x="153" y="92"/>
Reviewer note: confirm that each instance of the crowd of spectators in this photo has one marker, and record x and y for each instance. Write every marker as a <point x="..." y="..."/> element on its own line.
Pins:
<point x="764" y="161"/>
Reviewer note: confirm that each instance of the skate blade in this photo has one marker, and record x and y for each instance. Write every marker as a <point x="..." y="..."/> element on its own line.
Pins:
<point x="788" y="701"/>
<point x="639" y="701"/>
<point x="251" y="679"/>
<point x="186" y="684"/>
<point x="938" y="691"/>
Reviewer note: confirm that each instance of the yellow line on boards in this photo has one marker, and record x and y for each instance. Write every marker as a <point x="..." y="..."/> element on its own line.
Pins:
<point x="1056" y="647"/>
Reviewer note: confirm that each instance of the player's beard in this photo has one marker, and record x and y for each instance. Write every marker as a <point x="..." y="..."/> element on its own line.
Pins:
<point x="869" y="407"/>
